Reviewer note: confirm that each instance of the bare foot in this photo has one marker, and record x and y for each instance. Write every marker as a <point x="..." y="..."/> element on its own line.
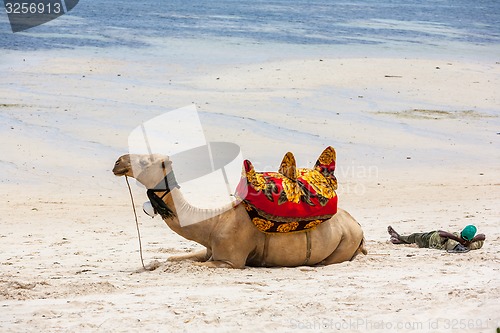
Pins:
<point x="394" y="236"/>
<point x="392" y="232"/>
<point x="395" y="241"/>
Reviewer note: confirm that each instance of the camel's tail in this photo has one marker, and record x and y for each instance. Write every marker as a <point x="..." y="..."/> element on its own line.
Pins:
<point x="361" y="249"/>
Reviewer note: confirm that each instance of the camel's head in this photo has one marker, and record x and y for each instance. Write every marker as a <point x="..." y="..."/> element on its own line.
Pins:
<point x="148" y="169"/>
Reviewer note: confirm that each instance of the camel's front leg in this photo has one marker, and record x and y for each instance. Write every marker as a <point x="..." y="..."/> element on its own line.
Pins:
<point x="201" y="256"/>
<point x="225" y="256"/>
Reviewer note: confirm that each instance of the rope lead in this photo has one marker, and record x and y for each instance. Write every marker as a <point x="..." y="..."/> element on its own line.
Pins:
<point x="136" y="223"/>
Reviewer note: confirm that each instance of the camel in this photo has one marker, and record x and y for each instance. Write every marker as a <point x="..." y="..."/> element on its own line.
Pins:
<point x="230" y="238"/>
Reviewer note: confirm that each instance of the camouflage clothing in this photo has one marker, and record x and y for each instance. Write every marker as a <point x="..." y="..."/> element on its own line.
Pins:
<point x="432" y="240"/>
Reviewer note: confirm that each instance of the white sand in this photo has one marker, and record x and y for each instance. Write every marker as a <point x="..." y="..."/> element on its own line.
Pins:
<point x="417" y="144"/>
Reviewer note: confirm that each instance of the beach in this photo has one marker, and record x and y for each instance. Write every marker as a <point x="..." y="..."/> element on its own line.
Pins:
<point x="417" y="144"/>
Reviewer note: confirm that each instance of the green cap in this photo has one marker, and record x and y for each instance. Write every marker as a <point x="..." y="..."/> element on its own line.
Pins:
<point x="468" y="232"/>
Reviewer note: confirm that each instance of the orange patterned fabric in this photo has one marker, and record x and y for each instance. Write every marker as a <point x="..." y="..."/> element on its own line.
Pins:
<point x="291" y="199"/>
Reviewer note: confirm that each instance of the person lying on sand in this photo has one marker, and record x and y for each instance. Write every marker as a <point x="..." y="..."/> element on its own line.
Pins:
<point x="464" y="241"/>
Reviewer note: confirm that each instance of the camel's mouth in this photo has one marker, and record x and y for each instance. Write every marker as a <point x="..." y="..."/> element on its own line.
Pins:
<point x="120" y="172"/>
<point x="119" y="169"/>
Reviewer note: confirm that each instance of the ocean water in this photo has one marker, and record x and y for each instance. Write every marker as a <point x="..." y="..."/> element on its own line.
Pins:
<point x="137" y="24"/>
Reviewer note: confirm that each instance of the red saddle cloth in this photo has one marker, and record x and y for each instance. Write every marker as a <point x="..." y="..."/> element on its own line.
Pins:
<point x="291" y="199"/>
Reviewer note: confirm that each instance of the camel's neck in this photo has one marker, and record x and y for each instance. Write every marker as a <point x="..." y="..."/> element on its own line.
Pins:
<point x="191" y="222"/>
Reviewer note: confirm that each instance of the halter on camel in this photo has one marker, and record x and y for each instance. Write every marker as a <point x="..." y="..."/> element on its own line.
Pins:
<point x="159" y="206"/>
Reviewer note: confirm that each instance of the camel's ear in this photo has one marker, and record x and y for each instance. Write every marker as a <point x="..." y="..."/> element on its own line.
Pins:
<point x="288" y="166"/>
<point x="167" y="162"/>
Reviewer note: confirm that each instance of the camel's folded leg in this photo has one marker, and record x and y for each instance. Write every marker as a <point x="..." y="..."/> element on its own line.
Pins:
<point x="216" y="264"/>
<point x="202" y="255"/>
<point x="344" y="252"/>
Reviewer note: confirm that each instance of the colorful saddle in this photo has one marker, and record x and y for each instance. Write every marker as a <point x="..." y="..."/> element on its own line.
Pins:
<point x="291" y="199"/>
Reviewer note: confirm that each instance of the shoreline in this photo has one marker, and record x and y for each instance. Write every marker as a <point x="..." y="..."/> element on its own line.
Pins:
<point x="372" y="110"/>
